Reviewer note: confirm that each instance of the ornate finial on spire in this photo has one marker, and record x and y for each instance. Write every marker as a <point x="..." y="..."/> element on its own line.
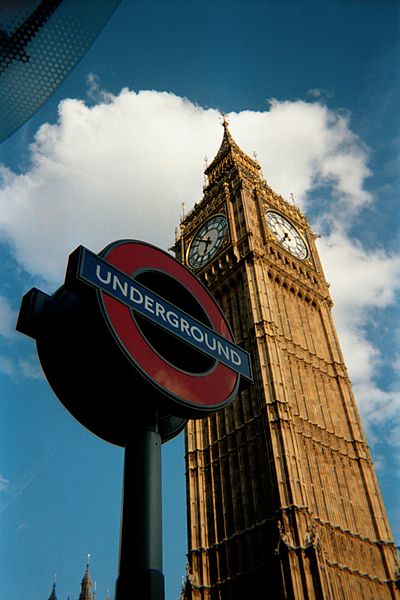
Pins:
<point x="205" y="181"/>
<point x="229" y="148"/>
<point x="293" y="199"/>
<point x="224" y="120"/>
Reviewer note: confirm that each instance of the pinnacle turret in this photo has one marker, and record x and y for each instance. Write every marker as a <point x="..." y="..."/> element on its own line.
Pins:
<point x="86" y="583"/>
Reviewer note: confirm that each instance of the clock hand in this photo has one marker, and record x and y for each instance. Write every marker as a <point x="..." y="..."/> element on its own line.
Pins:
<point x="207" y="242"/>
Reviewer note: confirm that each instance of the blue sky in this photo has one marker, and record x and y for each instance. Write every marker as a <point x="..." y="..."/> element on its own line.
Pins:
<point x="312" y="88"/>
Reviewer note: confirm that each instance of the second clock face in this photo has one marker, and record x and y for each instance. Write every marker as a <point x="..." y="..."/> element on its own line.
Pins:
<point x="207" y="241"/>
<point x="286" y="234"/>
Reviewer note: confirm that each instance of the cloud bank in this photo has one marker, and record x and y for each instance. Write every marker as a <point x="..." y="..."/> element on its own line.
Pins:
<point x="122" y="166"/>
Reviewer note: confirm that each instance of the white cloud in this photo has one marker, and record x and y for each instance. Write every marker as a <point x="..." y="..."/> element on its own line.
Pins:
<point x="319" y="93"/>
<point x="380" y="406"/>
<point x="363" y="281"/>
<point x="8" y="318"/>
<point x="4" y="483"/>
<point x="13" y="490"/>
<point x="371" y="279"/>
<point x="118" y="169"/>
<point x="304" y="145"/>
<point x="123" y="167"/>
<point x="7" y="366"/>
<point x="29" y="368"/>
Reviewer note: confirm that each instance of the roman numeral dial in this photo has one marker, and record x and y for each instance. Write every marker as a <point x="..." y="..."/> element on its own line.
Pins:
<point x="207" y="241"/>
<point x="286" y="234"/>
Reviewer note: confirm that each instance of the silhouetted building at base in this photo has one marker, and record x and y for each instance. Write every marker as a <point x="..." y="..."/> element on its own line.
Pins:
<point x="88" y="589"/>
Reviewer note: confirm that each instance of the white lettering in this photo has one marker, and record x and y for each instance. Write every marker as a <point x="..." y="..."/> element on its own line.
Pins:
<point x="223" y="350"/>
<point x="172" y="319"/>
<point x="214" y="345"/>
<point x="195" y="331"/>
<point x="185" y="327"/>
<point x="138" y="299"/>
<point x="148" y="304"/>
<point x="235" y="358"/>
<point x="160" y="310"/>
<point x="105" y="281"/>
<point x="123" y="287"/>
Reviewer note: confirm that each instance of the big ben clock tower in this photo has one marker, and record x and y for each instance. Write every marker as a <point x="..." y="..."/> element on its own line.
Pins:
<point x="282" y="496"/>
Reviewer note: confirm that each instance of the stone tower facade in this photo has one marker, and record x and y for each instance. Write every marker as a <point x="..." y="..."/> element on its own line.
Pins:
<point x="282" y="496"/>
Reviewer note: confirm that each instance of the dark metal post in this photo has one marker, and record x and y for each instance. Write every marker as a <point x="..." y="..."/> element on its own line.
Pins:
<point x="140" y="560"/>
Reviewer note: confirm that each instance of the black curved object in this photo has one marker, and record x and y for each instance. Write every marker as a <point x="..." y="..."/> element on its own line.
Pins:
<point x="40" y="43"/>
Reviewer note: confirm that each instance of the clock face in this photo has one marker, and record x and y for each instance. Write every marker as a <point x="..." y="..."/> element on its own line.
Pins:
<point x="207" y="241"/>
<point x="286" y="234"/>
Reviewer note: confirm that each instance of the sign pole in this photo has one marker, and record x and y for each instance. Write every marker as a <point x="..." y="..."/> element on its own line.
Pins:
<point x="140" y="560"/>
<point x="141" y="319"/>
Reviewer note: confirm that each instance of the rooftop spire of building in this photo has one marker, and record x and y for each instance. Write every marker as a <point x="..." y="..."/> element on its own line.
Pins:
<point x="86" y="584"/>
<point x="229" y="152"/>
<point x="53" y="591"/>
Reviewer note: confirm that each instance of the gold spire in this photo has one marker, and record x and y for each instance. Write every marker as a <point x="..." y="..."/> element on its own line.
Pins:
<point x="229" y="154"/>
<point x="224" y="120"/>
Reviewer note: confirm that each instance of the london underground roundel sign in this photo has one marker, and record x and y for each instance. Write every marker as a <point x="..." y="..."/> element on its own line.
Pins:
<point x="130" y="332"/>
<point x="166" y="323"/>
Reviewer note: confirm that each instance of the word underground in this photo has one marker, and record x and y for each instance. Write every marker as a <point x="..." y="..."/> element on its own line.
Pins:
<point x="102" y="275"/>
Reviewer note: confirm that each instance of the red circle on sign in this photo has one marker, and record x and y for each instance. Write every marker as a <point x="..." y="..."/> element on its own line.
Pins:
<point x="206" y="391"/>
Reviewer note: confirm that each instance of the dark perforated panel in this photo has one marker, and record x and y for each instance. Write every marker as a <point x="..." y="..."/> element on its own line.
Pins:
<point x="40" y="42"/>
